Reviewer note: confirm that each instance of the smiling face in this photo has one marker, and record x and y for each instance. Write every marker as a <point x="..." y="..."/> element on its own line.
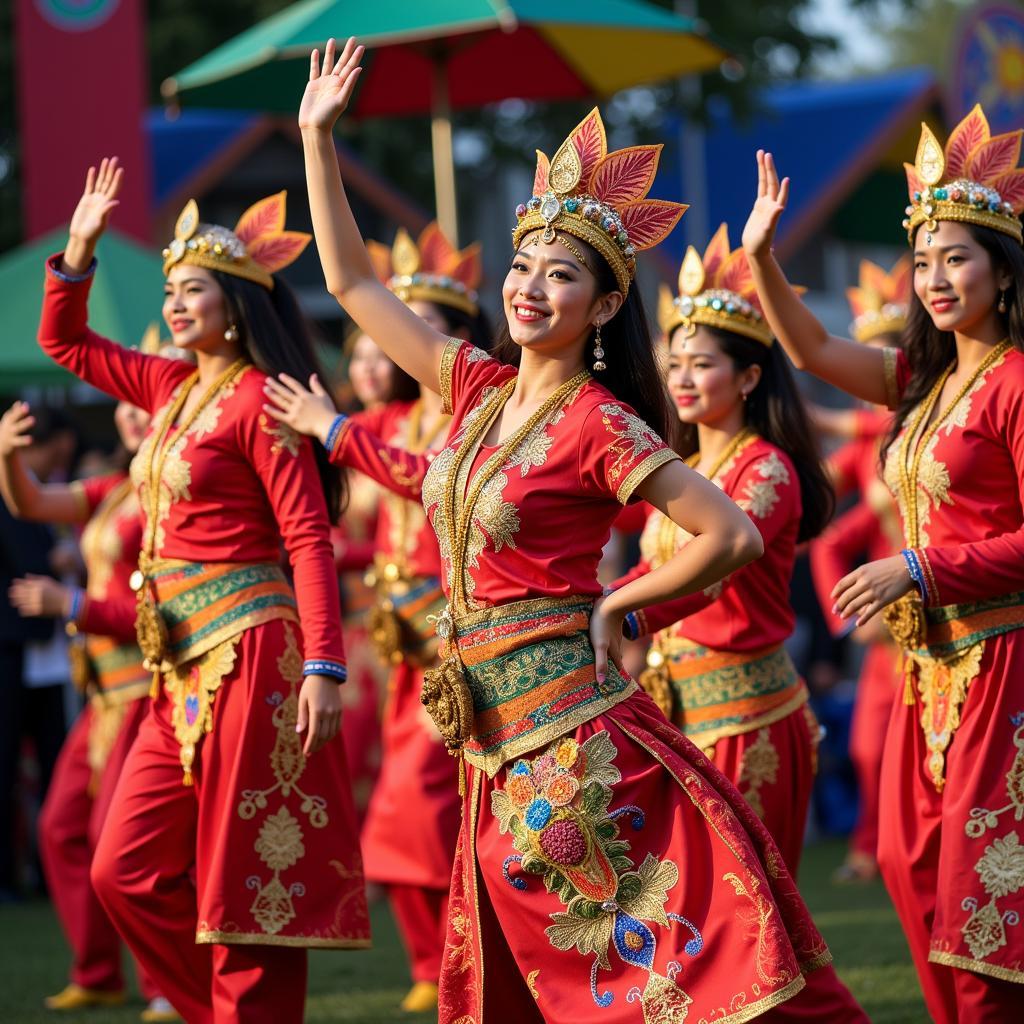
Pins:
<point x="955" y="280"/>
<point x="194" y="308"/>
<point x="703" y="381"/>
<point x="551" y="300"/>
<point x="132" y="423"/>
<point x="370" y="372"/>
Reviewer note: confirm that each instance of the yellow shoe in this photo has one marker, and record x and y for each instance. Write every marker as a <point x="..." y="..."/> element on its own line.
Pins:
<point x="159" y="1009"/>
<point x="420" y="998"/>
<point x="74" y="997"/>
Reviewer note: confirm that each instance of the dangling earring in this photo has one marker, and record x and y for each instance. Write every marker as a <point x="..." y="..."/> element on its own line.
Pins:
<point x="599" y="364"/>
<point x="1002" y="301"/>
<point x="231" y="334"/>
<point x="745" y="395"/>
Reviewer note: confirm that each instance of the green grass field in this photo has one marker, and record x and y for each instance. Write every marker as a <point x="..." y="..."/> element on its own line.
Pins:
<point x="365" y="988"/>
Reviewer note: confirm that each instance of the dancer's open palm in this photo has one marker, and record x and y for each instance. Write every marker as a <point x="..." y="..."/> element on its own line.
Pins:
<point x="328" y="91"/>
<point x="92" y="214"/>
<point x="772" y="196"/>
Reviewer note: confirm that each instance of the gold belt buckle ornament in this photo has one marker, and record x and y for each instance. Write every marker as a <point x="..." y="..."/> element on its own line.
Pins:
<point x="656" y="681"/>
<point x="446" y="694"/>
<point x="906" y="622"/>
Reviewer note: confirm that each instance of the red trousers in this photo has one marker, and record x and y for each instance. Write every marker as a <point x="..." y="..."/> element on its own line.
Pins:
<point x="143" y="872"/>
<point x="876" y="688"/>
<point x="422" y="918"/>
<point x="69" y="828"/>
<point x="773" y="768"/>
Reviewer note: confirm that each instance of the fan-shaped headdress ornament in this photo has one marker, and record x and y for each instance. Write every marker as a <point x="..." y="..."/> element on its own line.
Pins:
<point x="258" y="247"/>
<point x="879" y="302"/>
<point x="599" y="198"/>
<point x="718" y="291"/>
<point x="974" y="180"/>
<point x="430" y="269"/>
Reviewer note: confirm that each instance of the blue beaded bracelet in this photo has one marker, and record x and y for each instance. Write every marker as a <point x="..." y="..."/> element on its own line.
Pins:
<point x="631" y="626"/>
<point x="54" y="268"/>
<point x="77" y="597"/>
<point x="913" y="564"/>
<point x="322" y="667"/>
<point x="332" y="435"/>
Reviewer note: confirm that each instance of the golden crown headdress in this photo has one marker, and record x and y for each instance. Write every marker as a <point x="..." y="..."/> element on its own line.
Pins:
<point x="599" y="197"/>
<point x="430" y="269"/>
<point x="258" y="247"/>
<point x="975" y="179"/>
<point x="718" y="291"/>
<point x="879" y="302"/>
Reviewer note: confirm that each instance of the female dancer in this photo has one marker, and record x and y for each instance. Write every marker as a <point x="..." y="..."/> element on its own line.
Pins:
<point x="563" y="751"/>
<point x="717" y="667"/>
<point x="954" y="754"/>
<point x="107" y="667"/>
<point x="879" y="305"/>
<point x="230" y="844"/>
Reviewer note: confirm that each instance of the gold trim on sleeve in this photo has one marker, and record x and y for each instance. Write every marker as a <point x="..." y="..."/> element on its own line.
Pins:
<point x="890" y="360"/>
<point x="640" y="473"/>
<point x="448" y="357"/>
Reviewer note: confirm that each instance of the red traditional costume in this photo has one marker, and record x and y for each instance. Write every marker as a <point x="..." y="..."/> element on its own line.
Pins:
<point x="952" y="816"/>
<point x="870" y="528"/>
<point x="411" y="828"/>
<point x="717" y="666"/>
<point x="259" y="848"/>
<point x="108" y="668"/>
<point x="600" y="850"/>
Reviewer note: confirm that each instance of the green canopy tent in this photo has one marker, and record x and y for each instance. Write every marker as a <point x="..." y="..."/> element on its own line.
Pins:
<point x="449" y="55"/>
<point x="125" y="299"/>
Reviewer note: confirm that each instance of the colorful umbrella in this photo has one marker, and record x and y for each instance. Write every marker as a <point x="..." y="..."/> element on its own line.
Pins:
<point x="450" y="55"/>
<point x="125" y="298"/>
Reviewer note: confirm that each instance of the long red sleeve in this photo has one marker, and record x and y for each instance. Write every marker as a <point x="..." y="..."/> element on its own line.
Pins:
<point x="64" y="335"/>
<point x="835" y="553"/>
<point x="109" y="616"/>
<point x="360" y="447"/>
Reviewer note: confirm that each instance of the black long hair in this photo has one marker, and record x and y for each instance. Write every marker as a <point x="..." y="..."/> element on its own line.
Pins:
<point x="929" y="350"/>
<point x="775" y="410"/>
<point x="275" y="336"/>
<point x="633" y="375"/>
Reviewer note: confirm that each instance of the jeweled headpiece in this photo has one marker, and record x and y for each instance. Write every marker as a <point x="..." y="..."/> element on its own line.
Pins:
<point x="718" y="291"/>
<point x="879" y="302"/>
<point x="598" y="197"/>
<point x="431" y="270"/>
<point x="975" y="180"/>
<point x="258" y="247"/>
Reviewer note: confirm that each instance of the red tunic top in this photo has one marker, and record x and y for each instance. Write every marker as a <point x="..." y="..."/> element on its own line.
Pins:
<point x="750" y="609"/>
<point x="110" y="550"/>
<point x="970" y="497"/>
<point x="235" y="484"/>
<point x="542" y="521"/>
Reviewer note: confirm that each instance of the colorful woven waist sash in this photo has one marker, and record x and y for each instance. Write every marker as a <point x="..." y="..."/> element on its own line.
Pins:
<point x="715" y="694"/>
<point x="116" y="669"/>
<point x="402" y="621"/>
<point x="943" y="648"/>
<point x="530" y="668"/>
<point x="203" y="604"/>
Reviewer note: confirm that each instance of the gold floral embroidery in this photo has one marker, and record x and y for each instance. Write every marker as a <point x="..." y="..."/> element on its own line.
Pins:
<point x="191" y="688"/>
<point x="755" y="916"/>
<point x="1000" y="868"/>
<point x="531" y="983"/>
<point x="933" y="478"/>
<point x="632" y="438"/>
<point x="758" y="765"/>
<point x="105" y="727"/>
<point x="177" y="474"/>
<point x="285" y="439"/>
<point x="279" y="843"/>
<point x="761" y="496"/>
<point x="495" y="521"/>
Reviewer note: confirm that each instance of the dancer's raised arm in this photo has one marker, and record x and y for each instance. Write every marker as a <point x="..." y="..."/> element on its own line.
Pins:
<point x="867" y="373"/>
<point x="349" y="274"/>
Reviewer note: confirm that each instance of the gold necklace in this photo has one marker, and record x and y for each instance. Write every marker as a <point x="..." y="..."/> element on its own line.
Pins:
<point x="150" y="627"/>
<point x="909" y="469"/>
<point x="459" y="520"/>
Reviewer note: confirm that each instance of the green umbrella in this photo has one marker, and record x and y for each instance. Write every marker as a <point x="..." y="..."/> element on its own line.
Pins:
<point x="125" y="299"/>
<point x="443" y="55"/>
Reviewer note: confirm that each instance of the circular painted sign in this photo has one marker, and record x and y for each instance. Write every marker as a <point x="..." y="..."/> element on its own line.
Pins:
<point x="76" y="15"/>
<point x="988" y="67"/>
